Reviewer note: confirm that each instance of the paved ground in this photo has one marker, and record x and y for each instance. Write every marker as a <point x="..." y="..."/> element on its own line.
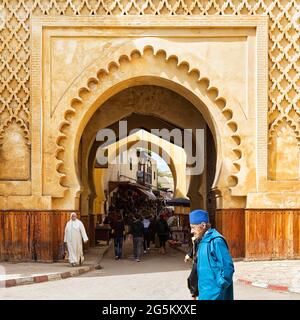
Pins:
<point x="14" y="274"/>
<point x="281" y="273"/>
<point x="276" y="273"/>
<point x="155" y="277"/>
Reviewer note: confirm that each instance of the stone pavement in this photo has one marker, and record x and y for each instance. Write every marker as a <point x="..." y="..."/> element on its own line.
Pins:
<point x="14" y="274"/>
<point x="158" y="277"/>
<point x="280" y="275"/>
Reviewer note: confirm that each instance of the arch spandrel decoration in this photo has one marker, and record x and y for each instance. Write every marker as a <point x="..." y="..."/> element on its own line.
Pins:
<point x="125" y="72"/>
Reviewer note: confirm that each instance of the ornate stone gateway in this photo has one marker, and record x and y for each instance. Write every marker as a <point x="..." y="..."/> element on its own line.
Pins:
<point x="237" y="74"/>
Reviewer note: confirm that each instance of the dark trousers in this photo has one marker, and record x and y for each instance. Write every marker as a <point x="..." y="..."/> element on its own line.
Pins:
<point x="137" y="247"/>
<point x="146" y="239"/>
<point x="162" y="240"/>
<point x="118" y="246"/>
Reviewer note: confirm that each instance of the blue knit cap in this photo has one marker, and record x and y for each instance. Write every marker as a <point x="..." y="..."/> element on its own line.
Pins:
<point x="198" y="216"/>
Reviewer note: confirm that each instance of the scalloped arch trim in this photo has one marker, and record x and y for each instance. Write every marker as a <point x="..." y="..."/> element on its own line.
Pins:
<point x="21" y="124"/>
<point x="202" y="83"/>
<point x="279" y="122"/>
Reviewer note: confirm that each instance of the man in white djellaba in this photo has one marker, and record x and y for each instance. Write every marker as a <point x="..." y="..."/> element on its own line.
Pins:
<point x="74" y="234"/>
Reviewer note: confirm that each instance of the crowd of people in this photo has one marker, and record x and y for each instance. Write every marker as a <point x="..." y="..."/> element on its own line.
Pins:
<point x="143" y="228"/>
<point x="134" y="215"/>
<point x="130" y="200"/>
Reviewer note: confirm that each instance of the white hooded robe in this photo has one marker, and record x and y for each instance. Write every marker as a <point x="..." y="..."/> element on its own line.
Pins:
<point x="74" y="234"/>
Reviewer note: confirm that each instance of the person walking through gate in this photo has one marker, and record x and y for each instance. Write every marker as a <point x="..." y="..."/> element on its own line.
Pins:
<point x="146" y="223"/>
<point x="163" y="232"/>
<point x="152" y="228"/>
<point x="214" y="264"/>
<point x="74" y="234"/>
<point x="118" y="232"/>
<point x="136" y="231"/>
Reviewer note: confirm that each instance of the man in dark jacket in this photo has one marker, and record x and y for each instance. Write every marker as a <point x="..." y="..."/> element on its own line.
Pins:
<point x="137" y="231"/>
<point x="163" y="231"/>
<point x="118" y="231"/>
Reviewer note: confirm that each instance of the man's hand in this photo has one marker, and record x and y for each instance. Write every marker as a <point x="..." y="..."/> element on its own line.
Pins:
<point x="187" y="258"/>
<point x="86" y="241"/>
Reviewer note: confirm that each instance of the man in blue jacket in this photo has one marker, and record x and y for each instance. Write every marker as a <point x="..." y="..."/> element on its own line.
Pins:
<point x="214" y="263"/>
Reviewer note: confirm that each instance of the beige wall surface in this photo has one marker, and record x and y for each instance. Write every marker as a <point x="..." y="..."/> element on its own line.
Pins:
<point x="70" y="55"/>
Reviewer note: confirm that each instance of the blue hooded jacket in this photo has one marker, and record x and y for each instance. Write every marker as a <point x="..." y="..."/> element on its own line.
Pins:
<point x="214" y="267"/>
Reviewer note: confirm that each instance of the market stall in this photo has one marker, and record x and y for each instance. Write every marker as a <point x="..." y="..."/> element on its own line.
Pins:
<point x="181" y="230"/>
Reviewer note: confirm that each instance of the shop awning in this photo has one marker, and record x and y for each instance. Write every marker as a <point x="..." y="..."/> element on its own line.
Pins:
<point x="126" y="184"/>
<point x="179" y="202"/>
<point x="148" y="193"/>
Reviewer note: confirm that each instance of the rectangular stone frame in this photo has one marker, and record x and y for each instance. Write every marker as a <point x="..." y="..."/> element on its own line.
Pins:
<point x="260" y="23"/>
